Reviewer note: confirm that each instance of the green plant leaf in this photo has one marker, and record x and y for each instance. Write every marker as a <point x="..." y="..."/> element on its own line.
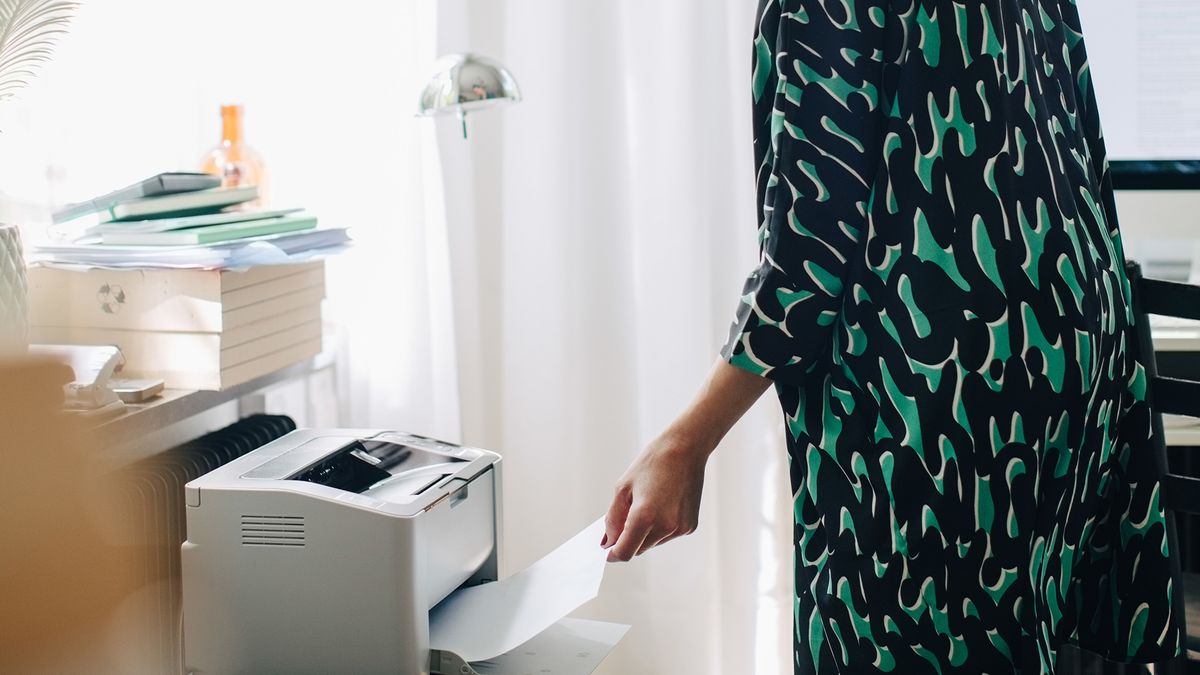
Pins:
<point x="28" y="29"/>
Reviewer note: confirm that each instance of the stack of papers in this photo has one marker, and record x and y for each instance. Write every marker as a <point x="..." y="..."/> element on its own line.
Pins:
<point x="270" y="249"/>
<point x="181" y="220"/>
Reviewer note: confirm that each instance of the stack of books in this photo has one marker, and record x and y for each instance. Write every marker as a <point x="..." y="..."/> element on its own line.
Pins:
<point x="173" y="209"/>
<point x="192" y="328"/>
<point x="193" y="285"/>
<point x="183" y="220"/>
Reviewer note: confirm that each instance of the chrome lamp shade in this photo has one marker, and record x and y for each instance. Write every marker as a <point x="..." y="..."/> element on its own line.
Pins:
<point x="464" y="83"/>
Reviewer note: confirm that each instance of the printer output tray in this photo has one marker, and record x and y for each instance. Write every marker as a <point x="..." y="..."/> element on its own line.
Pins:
<point x="569" y="647"/>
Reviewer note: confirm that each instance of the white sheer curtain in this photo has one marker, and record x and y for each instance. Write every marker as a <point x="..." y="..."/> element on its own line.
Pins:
<point x="600" y="232"/>
<point x="330" y="94"/>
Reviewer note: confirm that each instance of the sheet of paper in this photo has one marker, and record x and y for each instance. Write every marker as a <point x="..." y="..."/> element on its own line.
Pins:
<point x="569" y="647"/>
<point x="485" y="621"/>
<point x="243" y="253"/>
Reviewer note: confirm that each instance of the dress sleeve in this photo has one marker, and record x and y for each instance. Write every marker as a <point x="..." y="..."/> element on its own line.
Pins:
<point x="818" y="124"/>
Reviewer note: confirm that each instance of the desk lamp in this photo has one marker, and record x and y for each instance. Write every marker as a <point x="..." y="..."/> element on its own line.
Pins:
<point x="464" y="83"/>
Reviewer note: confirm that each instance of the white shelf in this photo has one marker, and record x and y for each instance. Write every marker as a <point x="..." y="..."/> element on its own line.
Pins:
<point x="180" y="415"/>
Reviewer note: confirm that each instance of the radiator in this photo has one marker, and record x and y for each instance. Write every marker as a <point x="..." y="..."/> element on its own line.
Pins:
<point x="153" y="505"/>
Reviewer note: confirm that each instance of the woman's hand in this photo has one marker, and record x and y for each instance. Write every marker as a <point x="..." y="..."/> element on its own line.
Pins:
<point x="658" y="498"/>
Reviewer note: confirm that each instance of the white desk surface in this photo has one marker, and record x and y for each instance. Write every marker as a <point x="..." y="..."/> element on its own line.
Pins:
<point x="1181" y="430"/>
<point x="1176" y="339"/>
<point x="1179" y="338"/>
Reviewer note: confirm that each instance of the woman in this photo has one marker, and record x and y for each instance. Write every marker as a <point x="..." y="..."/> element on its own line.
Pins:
<point x="942" y="309"/>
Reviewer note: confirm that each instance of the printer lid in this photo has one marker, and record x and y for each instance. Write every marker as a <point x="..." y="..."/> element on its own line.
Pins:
<point x="387" y="468"/>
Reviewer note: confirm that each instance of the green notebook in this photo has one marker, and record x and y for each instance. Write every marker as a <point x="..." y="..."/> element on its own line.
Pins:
<point x="186" y="222"/>
<point x="212" y="234"/>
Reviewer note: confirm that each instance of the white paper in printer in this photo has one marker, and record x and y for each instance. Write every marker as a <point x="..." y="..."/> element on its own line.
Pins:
<point x="485" y="621"/>
<point x="569" y="646"/>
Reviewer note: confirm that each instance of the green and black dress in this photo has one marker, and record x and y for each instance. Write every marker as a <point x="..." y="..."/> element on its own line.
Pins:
<point x="942" y="305"/>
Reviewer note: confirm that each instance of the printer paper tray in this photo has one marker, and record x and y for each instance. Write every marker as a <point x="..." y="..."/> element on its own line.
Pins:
<point x="569" y="647"/>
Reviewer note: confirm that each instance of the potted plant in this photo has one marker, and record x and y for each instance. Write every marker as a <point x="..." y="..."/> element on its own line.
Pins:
<point x="28" y="30"/>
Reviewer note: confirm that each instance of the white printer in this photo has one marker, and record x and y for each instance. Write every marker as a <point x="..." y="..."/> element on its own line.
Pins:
<point x="324" y="551"/>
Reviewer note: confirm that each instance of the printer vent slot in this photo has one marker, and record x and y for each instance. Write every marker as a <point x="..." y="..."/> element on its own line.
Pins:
<point x="260" y="530"/>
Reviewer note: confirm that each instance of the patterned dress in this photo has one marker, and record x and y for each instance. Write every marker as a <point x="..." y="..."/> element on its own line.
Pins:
<point x="942" y="305"/>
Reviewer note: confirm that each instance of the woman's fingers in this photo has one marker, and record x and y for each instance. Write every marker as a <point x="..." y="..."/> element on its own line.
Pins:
<point x="614" y="521"/>
<point x="681" y="526"/>
<point x="644" y="531"/>
<point x="637" y="530"/>
<point x="659" y="540"/>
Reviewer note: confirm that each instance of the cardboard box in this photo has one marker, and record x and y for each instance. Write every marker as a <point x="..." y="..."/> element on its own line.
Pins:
<point x="184" y="300"/>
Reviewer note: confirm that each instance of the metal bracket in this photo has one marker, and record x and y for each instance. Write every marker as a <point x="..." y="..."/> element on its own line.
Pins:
<point x="448" y="663"/>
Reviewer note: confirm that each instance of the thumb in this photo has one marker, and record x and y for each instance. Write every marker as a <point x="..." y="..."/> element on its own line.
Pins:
<point x="614" y="521"/>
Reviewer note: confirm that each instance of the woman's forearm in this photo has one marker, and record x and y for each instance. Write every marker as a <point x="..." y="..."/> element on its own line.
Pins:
<point x="726" y="394"/>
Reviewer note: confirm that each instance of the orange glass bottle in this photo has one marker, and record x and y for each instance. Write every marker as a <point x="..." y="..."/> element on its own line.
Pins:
<point x="235" y="162"/>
